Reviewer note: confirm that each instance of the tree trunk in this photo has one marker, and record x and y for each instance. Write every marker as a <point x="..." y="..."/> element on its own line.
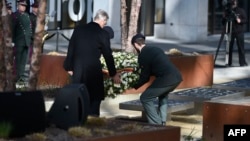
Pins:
<point x="7" y="80"/>
<point x="2" y="68"/>
<point x="37" y="46"/>
<point x="8" y="50"/>
<point x="134" y="16"/>
<point x="124" y="25"/>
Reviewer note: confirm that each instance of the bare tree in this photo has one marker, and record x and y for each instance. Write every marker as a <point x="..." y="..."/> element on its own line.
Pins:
<point x="7" y="78"/>
<point x="37" y="46"/>
<point x="2" y="67"/>
<point x="129" y="31"/>
<point x="124" y="25"/>
<point x="9" y="57"/>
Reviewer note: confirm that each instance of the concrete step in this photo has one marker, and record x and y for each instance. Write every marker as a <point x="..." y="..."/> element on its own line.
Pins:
<point x="241" y="84"/>
<point x="238" y="101"/>
<point x="173" y="105"/>
<point x="201" y="94"/>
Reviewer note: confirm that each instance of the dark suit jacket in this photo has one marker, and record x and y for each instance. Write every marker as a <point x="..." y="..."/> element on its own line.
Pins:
<point x="86" y="45"/>
<point x="21" y="29"/>
<point x="154" y="62"/>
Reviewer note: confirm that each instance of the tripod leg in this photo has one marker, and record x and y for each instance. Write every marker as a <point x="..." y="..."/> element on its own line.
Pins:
<point x="217" y="50"/>
<point x="229" y="38"/>
<point x="227" y="50"/>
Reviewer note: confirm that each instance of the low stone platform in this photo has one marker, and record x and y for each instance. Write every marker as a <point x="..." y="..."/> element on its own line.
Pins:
<point x="173" y="105"/>
<point x="242" y="84"/>
<point x="201" y="94"/>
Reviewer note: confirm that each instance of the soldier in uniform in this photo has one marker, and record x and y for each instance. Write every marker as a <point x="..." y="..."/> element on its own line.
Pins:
<point x="22" y="32"/>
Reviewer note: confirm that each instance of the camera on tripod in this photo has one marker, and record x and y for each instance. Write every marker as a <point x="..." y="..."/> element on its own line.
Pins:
<point x="230" y="15"/>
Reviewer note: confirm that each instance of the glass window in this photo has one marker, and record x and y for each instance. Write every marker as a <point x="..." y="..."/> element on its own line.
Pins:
<point x="159" y="11"/>
<point x="58" y="14"/>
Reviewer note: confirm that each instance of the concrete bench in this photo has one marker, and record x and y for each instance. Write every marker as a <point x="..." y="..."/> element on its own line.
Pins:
<point x="173" y="106"/>
<point x="189" y="99"/>
<point x="241" y="84"/>
<point x="200" y="94"/>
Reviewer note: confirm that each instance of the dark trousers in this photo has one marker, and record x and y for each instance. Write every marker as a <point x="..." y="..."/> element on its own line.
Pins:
<point x="21" y="60"/>
<point x="156" y="115"/>
<point x="94" y="109"/>
<point x="239" y="37"/>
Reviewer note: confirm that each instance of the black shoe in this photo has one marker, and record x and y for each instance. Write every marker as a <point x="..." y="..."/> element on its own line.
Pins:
<point x="163" y="123"/>
<point x="245" y="64"/>
<point x="21" y="80"/>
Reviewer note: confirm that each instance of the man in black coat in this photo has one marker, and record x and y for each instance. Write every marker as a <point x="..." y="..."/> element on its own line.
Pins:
<point x="87" y="44"/>
<point x="238" y="17"/>
<point x="154" y="62"/>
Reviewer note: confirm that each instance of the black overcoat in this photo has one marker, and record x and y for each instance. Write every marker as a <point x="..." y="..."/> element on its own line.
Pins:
<point x="87" y="44"/>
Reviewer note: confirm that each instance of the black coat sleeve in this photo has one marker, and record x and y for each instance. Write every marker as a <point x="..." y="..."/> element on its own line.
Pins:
<point x="68" y="62"/>
<point x="107" y="53"/>
<point x="144" y="77"/>
<point x="145" y="66"/>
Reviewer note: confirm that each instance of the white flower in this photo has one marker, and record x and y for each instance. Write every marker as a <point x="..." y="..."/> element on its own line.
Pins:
<point x="128" y="78"/>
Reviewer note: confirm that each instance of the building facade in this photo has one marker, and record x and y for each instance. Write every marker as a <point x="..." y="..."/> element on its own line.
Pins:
<point x="184" y="20"/>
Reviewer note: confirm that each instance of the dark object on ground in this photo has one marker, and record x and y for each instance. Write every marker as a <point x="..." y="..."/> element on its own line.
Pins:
<point x="70" y="107"/>
<point x="24" y="111"/>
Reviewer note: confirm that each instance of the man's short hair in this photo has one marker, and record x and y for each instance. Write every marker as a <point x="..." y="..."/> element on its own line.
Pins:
<point x="101" y="14"/>
<point x="140" y="41"/>
<point x="138" y="38"/>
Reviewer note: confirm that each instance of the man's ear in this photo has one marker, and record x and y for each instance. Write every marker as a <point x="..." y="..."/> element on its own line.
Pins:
<point x="136" y="44"/>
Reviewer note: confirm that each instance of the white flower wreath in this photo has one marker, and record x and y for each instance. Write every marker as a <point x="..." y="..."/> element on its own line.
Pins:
<point x="126" y="64"/>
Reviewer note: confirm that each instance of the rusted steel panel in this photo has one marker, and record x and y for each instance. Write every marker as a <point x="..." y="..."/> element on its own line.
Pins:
<point x="196" y="71"/>
<point x="52" y="72"/>
<point x="217" y="114"/>
<point x="169" y="133"/>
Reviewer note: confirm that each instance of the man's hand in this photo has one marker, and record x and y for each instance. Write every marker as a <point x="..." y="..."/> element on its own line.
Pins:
<point x="131" y="89"/>
<point x="70" y="73"/>
<point x="238" y="19"/>
<point x="116" y="78"/>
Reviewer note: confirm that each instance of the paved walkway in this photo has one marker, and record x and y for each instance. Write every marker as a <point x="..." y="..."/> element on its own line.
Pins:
<point x="189" y="123"/>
